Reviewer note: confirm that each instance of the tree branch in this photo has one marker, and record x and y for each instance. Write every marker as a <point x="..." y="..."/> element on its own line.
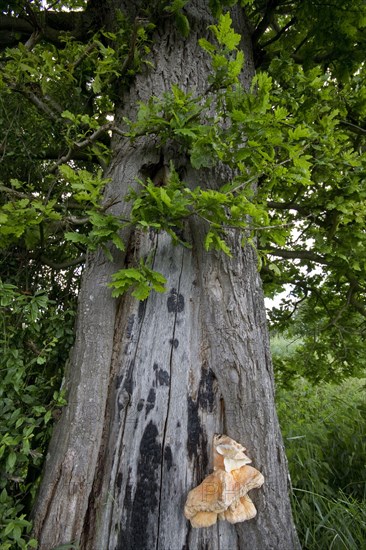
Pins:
<point x="90" y="47"/>
<point x="291" y="206"/>
<point x="51" y="24"/>
<point x="131" y="51"/>
<point x="353" y="127"/>
<point x="298" y="255"/>
<point x="280" y="33"/>
<point x="264" y="23"/>
<point x="81" y="145"/>
<point x="18" y="194"/>
<point x="54" y="154"/>
<point x="62" y="265"/>
<point x="15" y="24"/>
<point x="37" y="102"/>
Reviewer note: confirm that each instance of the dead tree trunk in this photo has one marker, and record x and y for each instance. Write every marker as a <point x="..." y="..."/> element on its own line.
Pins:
<point x="149" y="383"/>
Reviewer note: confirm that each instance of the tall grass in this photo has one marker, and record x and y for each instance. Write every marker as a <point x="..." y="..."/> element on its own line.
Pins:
<point x="329" y="523"/>
<point x="325" y="436"/>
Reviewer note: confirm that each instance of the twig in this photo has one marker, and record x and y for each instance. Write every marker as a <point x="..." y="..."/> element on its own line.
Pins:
<point x="356" y="129"/>
<point x="280" y="33"/>
<point x="80" y="145"/>
<point x="84" y="55"/>
<point x="18" y="194"/>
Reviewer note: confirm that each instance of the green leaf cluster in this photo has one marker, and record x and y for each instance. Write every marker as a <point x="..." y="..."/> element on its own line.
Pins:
<point x="168" y="207"/>
<point x="181" y="20"/>
<point x="21" y="218"/>
<point x="141" y="279"/>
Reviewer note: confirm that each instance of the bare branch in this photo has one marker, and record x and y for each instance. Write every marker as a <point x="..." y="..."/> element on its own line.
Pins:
<point x="74" y="220"/>
<point x="33" y="98"/>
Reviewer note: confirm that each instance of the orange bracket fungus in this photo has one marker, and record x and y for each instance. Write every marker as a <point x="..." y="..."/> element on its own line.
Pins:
<point x="224" y="493"/>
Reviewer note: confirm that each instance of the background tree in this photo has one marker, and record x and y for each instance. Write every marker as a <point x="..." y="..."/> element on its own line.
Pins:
<point x="155" y="100"/>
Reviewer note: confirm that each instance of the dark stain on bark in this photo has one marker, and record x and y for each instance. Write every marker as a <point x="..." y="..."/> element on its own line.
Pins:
<point x="127" y="501"/>
<point x="151" y="398"/>
<point x="141" y="513"/>
<point x="119" y="480"/>
<point x="180" y="233"/>
<point x="206" y="389"/>
<point x="141" y="310"/>
<point x="197" y="438"/>
<point x="168" y="457"/>
<point x="175" y="302"/>
<point x="186" y="544"/>
<point x="174" y="343"/>
<point x="161" y="376"/>
<point x="130" y="322"/>
<point x="128" y="384"/>
<point x="140" y="404"/>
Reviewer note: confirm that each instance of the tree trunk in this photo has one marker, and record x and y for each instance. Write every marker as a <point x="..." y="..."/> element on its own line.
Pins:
<point x="150" y="383"/>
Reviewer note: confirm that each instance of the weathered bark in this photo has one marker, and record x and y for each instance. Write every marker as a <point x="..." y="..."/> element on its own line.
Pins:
<point x="150" y="383"/>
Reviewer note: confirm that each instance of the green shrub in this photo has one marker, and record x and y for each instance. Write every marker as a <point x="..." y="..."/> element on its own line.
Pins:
<point x="31" y="327"/>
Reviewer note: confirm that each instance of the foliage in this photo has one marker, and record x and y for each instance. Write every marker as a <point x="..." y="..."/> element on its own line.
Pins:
<point x="287" y="371"/>
<point x="319" y="349"/>
<point x="324" y="431"/>
<point x="35" y="338"/>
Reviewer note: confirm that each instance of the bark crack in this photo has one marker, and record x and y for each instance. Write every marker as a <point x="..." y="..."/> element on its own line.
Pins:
<point x="169" y="401"/>
<point x="49" y="500"/>
<point x="120" y="438"/>
<point x="98" y="475"/>
<point x="116" y="349"/>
